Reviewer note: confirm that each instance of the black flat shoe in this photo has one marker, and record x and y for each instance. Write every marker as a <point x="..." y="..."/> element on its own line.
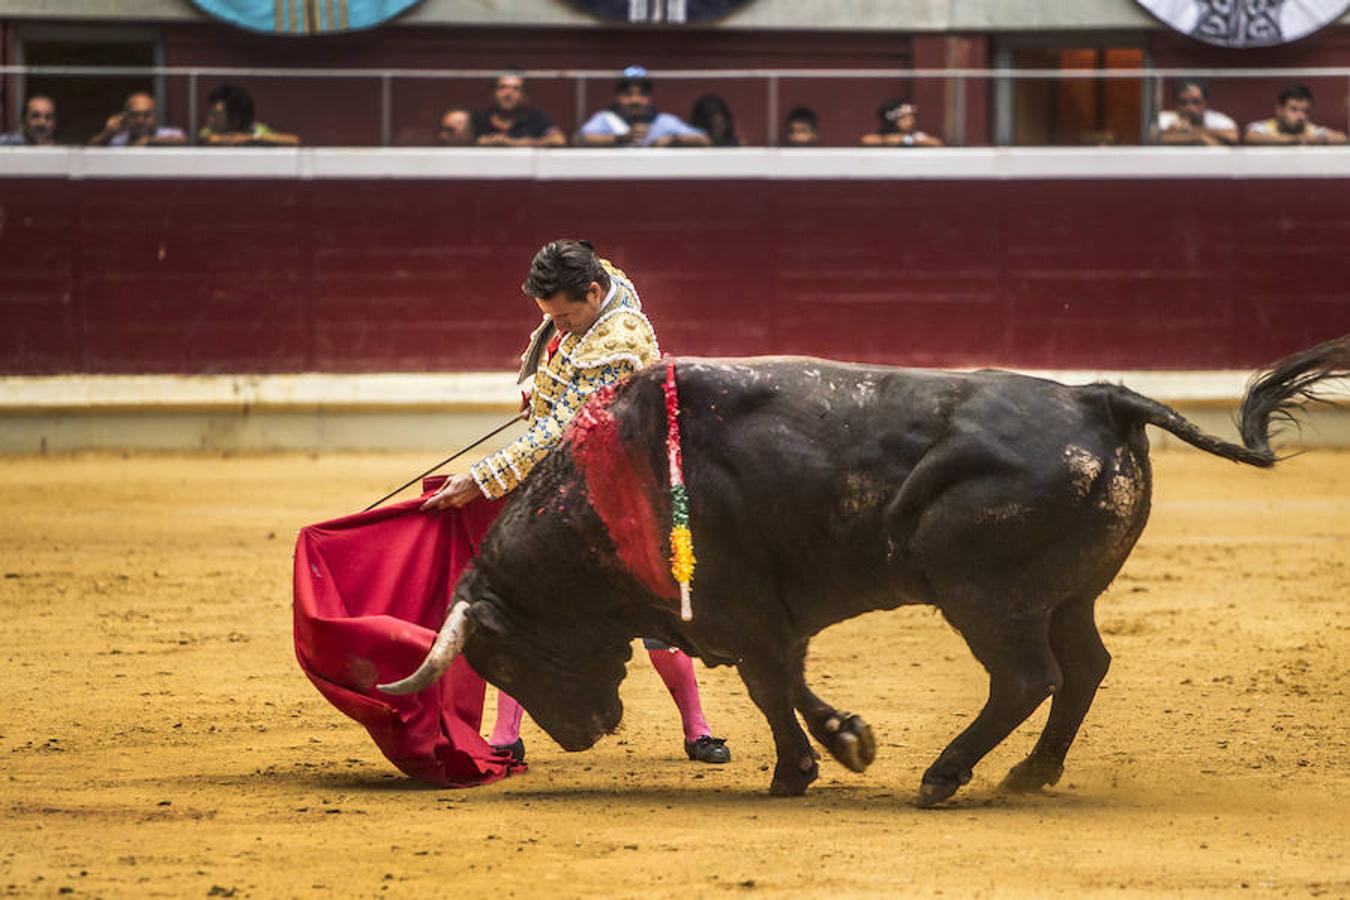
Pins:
<point x="708" y="749"/>
<point x="517" y="750"/>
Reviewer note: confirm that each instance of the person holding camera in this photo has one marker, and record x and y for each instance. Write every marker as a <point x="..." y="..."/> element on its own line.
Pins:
<point x="137" y="126"/>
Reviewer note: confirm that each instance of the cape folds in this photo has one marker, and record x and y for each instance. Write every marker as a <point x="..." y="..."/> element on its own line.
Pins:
<point x="371" y="591"/>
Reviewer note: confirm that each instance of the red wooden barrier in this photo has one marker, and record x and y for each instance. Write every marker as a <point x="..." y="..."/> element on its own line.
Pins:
<point x="199" y="276"/>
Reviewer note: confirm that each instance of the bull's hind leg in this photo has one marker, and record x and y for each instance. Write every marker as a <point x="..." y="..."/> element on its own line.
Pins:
<point x="771" y="680"/>
<point x="847" y="737"/>
<point x="1022" y="673"/>
<point x="1083" y="660"/>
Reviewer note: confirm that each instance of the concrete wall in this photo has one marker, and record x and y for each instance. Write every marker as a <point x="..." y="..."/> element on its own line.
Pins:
<point x="435" y="429"/>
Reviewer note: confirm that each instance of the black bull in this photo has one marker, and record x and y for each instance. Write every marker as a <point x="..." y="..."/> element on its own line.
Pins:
<point x="819" y="491"/>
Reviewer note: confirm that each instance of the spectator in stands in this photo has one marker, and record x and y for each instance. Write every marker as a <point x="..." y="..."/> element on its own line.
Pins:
<point x="1292" y="123"/>
<point x="898" y="127"/>
<point x="510" y="123"/>
<point x="801" y="128"/>
<point x="136" y="126"/>
<point x="230" y="122"/>
<point x="712" y="116"/>
<point x="39" y="124"/>
<point x="632" y="120"/>
<point x="1193" y="122"/>
<point x="456" y="129"/>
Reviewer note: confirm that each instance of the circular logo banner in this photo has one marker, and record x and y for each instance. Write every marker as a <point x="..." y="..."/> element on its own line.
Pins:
<point x="1247" y="23"/>
<point x="657" y="12"/>
<point x="303" y="17"/>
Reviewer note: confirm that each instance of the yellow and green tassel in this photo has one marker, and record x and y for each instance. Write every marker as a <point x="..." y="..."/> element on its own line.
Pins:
<point x="682" y="559"/>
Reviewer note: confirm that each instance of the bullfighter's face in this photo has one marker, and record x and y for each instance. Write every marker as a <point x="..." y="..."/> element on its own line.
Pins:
<point x="573" y="316"/>
<point x="565" y="675"/>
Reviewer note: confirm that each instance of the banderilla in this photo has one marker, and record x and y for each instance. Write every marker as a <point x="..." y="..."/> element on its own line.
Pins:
<point x="451" y="458"/>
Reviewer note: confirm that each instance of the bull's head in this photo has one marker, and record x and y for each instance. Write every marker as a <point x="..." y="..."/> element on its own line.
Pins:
<point x="565" y="670"/>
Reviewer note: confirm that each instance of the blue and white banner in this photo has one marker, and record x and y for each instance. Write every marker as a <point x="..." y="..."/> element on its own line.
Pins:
<point x="304" y="17"/>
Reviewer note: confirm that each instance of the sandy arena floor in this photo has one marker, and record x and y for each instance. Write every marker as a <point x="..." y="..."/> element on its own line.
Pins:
<point x="159" y="739"/>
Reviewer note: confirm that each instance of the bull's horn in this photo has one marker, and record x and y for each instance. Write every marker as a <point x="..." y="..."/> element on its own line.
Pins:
<point x="443" y="652"/>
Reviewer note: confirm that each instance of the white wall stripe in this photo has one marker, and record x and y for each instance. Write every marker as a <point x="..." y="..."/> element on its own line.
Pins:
<point x="748" y="163"/>
<point x="382" y="391"/>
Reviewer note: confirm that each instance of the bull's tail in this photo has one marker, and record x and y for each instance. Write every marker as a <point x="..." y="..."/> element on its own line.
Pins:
<point x="1274" y="395"/>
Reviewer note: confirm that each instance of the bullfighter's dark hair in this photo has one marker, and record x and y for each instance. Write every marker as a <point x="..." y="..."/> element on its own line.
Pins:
<point x="1295" y="92"/>
<point x="565" y="265"/>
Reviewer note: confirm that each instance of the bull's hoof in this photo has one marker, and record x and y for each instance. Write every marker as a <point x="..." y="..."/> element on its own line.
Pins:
<point x="1030" y="775"/>
<point x="792" y="781"/>
<point x="852" y="744"/>
<point x="848" y="738"/>
<point x="936" y="788"/>
<point x="931" y="793"/>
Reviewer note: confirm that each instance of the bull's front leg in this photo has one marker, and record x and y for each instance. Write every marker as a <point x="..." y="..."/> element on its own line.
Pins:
<point x="848" y="738"/>
<point x="771" y="680"/>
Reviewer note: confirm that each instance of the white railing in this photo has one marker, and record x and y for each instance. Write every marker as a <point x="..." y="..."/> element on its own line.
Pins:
<point x="1151" y="80"/>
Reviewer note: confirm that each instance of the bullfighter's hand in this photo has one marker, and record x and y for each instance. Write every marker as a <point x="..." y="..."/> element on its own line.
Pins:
<point x="458" y="490"/>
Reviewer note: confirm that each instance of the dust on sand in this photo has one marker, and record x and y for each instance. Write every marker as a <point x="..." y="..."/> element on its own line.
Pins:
<point x="159" y="739"/>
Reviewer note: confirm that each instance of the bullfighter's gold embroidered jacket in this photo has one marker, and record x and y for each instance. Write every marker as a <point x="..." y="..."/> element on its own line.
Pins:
<point x="620" y="342"/>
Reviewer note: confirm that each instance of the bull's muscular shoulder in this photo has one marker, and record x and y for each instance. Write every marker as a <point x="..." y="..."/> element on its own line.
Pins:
<point x="623" y="335"/>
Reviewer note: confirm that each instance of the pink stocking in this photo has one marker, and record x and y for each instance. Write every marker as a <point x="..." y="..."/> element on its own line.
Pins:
<point x="507" y="729"/>
<point x="677" y="671"/>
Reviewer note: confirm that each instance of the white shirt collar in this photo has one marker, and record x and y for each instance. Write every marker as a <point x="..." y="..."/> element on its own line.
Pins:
<point x="613" y="292"/>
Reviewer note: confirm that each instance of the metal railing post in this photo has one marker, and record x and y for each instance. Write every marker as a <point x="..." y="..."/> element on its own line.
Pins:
<point x="773" y="111"/>
<point x="1003" y="100"/>
<point x="192" y="107"/>
<point x="1148" y="108"/>
<point x="958" y="136"/>
<point x="581" y="102"/>
<point x="386" y="109"/>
